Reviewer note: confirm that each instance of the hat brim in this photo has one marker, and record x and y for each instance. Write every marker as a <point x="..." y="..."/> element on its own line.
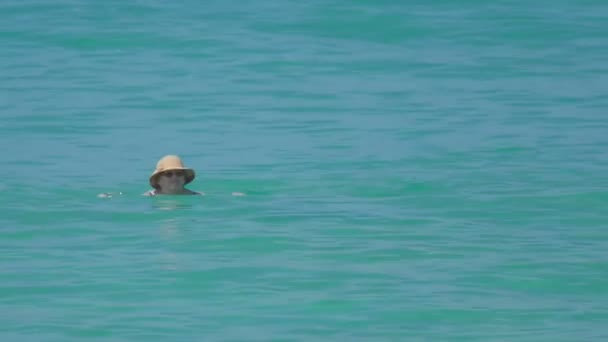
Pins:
<point x="190" y="175"/>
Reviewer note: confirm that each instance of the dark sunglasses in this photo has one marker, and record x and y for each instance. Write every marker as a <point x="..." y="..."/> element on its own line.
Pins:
<point x="171" y="173"/>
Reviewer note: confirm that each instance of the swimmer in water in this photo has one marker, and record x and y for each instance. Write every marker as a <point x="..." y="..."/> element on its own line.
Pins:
<point x="170" y="177"/>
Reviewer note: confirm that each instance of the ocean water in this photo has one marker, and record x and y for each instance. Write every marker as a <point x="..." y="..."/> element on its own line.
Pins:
<point x="412" y="170"/>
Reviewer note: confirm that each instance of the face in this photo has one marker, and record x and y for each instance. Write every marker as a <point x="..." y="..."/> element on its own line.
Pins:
<point x="172" y="181"/>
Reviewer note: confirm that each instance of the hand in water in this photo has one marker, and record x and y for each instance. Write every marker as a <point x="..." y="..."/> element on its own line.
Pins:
<point x="107" y="195"/>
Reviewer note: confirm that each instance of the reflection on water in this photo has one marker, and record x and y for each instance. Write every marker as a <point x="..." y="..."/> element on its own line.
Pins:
<point x="169" y="262"/>
<point x="170" y="203"/>
<point x="171" y="214"/>
<point x="169" y="228"/>
<point x="169" y="232"/>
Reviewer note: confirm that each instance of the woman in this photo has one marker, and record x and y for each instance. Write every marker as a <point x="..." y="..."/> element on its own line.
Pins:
<point x="170" y="177"/>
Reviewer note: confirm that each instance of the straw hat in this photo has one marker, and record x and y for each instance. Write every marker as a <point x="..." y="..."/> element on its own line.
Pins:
<point x="169" y="163"/>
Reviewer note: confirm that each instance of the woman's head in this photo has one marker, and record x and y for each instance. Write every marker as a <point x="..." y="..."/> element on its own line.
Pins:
<point x="171" y="175"/>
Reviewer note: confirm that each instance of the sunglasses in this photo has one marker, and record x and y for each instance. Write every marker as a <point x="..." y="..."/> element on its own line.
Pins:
<point x="171" y="173"/>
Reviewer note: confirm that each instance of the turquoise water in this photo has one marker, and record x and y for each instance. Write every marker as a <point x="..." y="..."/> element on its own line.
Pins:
<point x="420" y="170"/>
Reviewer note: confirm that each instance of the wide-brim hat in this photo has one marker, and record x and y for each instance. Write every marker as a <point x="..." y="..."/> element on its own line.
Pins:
<point x="170" y="163"/>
